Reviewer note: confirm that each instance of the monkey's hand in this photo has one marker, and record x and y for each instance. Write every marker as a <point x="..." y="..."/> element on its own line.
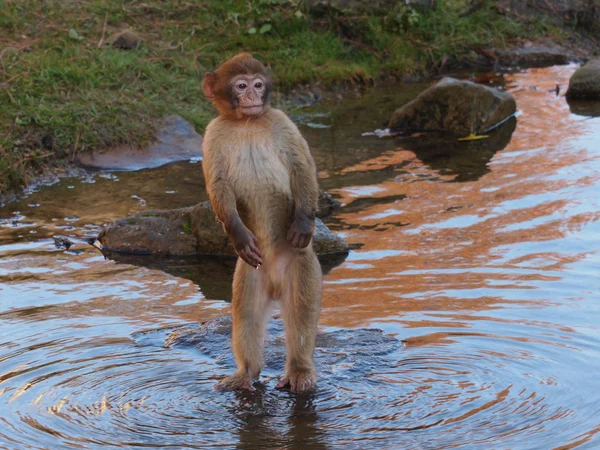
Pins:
<point x="301" y="231"/>
<point x="245" y="244"/>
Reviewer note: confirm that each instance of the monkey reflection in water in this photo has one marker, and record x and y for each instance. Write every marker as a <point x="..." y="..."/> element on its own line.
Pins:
<point x="261" y="181"/>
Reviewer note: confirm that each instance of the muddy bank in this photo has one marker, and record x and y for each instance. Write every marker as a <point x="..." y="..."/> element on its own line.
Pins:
<point x="52" y="174"/>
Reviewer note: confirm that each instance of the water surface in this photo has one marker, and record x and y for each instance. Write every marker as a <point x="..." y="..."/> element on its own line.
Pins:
<point x="484" y="261"/>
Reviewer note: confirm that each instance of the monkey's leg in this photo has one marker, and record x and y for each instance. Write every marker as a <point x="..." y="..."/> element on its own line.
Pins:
<point x="250" y="312"/>
<point x="300" y="306"/>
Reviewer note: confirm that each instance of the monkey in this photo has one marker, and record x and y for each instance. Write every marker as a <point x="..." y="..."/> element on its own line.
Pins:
<point x="261" y="180"/>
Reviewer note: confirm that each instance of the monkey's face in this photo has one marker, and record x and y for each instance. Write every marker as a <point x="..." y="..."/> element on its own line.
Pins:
<point x="240" y="88"/>
<point x="248" y="94"/>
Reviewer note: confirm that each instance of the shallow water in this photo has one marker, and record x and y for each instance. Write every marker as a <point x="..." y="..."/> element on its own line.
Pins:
<point x="484" y="264"/>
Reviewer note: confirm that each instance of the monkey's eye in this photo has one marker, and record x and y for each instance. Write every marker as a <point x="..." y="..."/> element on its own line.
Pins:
<point x="242" y="86"/>
<point x="258" y="85"/>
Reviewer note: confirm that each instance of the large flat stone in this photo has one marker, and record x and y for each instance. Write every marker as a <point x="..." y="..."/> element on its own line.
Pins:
<point x="176" y="140"/>
<point x="189" y="231"/>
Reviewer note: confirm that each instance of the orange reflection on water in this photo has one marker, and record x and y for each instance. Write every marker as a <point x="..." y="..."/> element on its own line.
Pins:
<point x="47" y="285"/>
<point x="453" y="228"/>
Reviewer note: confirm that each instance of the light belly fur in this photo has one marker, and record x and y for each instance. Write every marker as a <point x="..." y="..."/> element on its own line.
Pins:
<point x="261" y="185"/>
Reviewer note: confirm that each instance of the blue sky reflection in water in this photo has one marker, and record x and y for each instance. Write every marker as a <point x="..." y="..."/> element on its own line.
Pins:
<point x="489" y="275"/>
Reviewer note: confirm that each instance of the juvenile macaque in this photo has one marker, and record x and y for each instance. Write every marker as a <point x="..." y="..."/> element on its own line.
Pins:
<point x="261" y="181"/>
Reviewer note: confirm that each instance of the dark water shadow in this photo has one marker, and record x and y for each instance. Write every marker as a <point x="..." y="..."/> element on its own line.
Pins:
<point x="213" y="274"/>
<point x="587" y="108"/>
<point x="468" y="160"/>
<point x="261" y="429"/>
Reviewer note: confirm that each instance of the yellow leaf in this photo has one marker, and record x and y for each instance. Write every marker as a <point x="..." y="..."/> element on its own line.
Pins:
<point x="474" y="137"/>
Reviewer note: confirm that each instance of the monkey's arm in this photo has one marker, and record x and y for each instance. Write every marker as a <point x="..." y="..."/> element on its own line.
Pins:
<point x="223" y="202"/>
<point x="305" y="191"/>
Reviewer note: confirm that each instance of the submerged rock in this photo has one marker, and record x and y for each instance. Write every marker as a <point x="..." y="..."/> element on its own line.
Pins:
<point x="454" y="106"/>
<point x="351" y="348"/>
<point x="176" y="140"/>
<point x="585" y="82"/>
<point x="189" y="231"/>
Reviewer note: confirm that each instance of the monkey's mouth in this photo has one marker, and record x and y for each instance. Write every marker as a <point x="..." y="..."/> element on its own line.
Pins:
<point x="253" y="110"/>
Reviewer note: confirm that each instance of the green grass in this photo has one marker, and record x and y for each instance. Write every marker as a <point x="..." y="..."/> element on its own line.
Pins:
<point x="62" y="92"/>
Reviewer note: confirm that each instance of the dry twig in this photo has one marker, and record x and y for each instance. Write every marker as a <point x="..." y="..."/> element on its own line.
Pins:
<point x="12" y="99"/>
<point x="101" y="41"/>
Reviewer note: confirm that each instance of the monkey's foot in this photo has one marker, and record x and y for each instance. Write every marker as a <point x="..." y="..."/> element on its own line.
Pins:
<point x="235" y="382"/>
<point x="298" y="381"/>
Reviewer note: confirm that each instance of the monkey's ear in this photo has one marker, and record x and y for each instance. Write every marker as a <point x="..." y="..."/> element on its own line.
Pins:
<point x="208" y="85"/>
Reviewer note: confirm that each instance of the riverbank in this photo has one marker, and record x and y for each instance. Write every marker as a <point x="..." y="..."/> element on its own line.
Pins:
<point x="65" y="88"/>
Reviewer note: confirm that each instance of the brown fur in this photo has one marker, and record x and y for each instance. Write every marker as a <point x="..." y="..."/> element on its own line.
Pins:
<point x="261" y="180"/>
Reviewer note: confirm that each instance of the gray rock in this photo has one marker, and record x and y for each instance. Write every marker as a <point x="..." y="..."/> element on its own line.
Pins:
<point x="152" y="232"/>
<point x="585" y="82"/>
<point x="189" y="231"/>
<point x="454" y="106"/>
<point x="325" y="242"/>
<point x="176" y="140"/>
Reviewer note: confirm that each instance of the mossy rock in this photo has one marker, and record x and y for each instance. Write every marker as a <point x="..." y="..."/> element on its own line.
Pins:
<point x="585" y="82"/>
<point x="189" y="231"/>
<point x="454" y="106"/>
